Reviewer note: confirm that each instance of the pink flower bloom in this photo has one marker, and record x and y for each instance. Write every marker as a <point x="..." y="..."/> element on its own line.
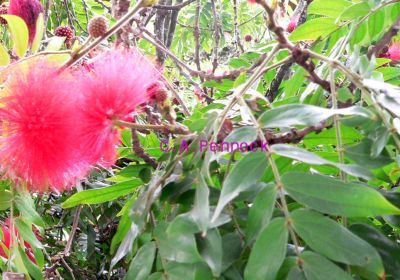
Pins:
<point x="294" y="20"/>
<point x="29" y="11"/>
<point x="394" y="51"/>
<point x="116" y="85"/>
<point x="39" y="135"/>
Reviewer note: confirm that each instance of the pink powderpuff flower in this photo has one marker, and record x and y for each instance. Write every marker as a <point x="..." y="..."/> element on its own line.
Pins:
<point x="29" y="11"/>
<point x="39" y="128"/>
<point x="393" y="52"/>
<point x="115" y="86"/>
<point x="294" y="21"/>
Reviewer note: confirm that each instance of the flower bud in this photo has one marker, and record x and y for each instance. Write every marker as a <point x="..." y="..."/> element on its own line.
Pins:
<point x="98" y="26"/>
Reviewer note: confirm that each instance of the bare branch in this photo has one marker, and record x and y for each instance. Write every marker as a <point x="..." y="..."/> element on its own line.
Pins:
<point x="173" y="7"/>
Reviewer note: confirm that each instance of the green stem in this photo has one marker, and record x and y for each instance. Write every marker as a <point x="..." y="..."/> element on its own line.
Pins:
<point x="336" y="122"/>
<point x="12" y="231"/>
<point x="278" y="182"/>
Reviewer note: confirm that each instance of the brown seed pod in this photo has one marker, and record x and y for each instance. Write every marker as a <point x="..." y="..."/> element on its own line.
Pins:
<point x="98" y="26"/>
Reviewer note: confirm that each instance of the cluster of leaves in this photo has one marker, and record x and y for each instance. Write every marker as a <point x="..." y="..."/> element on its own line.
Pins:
<point x="324" y="206"/>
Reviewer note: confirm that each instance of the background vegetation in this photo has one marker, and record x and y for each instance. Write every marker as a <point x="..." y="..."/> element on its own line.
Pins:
<point x="321" y="202"/>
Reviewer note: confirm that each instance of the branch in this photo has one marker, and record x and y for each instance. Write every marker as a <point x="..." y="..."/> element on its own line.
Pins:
<point x="173" y="7"/>
<point x="272" y="92"/>
<point x="173" y="129"/>
<point x="300" y="56"/>
<point x="158" y="32"/>
<point x="196" y="34"/>
<point x="172" y="26"/>
<point x="216" y="35"/>
<point x="119" y="9"/>
<point x="68" y="247"/>
<point x="295" y="135"/>
<point x="139" y="151"/>
<point x="236" y="26"/>
<point x="377" y="49"/>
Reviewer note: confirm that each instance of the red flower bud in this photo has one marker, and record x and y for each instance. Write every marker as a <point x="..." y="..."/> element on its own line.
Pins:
<point x="248" y="38"/>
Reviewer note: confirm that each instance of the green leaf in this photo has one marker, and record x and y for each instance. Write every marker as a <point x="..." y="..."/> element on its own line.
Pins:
<point x="313" y="29"/>
<point x="328" y="137"/>
<point x="211" y="251"/>
<point x="361" y="154"/>
<point x="296" y="274"/>
<point x="40" y="29"/>
<point x="25" y="205"/>
<point x="355" y="11"/>
<point x="124" y="225"/>
<point x="201" y="208"/>
<point x="179" y="271"/>
<point x="260" y="212"/>
<point x="55" y="44"/>
<point x="389" y="96"/>
<point x="33" y="270"/>
<point x="376" y="24"/>
<point x="19" y="33"/>
<point x="4" y="56"/>
<point x="101" y="195"/>
<point x="360" y="36"/>
<point x="179" y="247"/>
<point x="289" y="263"/>
<point x="332" y="196"/>
<point x="246" y="134"/>
<point x="5" y="199"/>
<point x="232" y="248"/>
<point x="317" y="267"/>
<point x="379" y="136"/>
<point x="334" y="241"/>
<point x="302" y="114"/>
<point x="142" y="263"/>
<point x="387" y="248"/>
<point x="26" y="233"/>
<point x="268" y="252"/>
<point x="240" y="80"/>
<point x="389" y="72"/>
<point x="311" y="158"/>
<point x="245" y="173"/>
<point x="330" y="8"/>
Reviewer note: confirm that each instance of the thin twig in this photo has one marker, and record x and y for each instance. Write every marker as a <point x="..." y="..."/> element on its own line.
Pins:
<point x="196" y="34"/>
<point x="236" y="26"/>
<point x="70" y="270"/>
<point x="161" y="128"/>
<point x="139" y="151"/>
<point x="68" y="247"/>
<point x="173" y="7"/>
<point x="216" y="35"/>
<point x="176" y="95"/>
<point x="278" y="182"/>
<point x="336" y="121"/>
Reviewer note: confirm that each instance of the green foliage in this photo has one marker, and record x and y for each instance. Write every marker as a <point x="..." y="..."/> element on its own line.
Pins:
<point x="320" y="201"/>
